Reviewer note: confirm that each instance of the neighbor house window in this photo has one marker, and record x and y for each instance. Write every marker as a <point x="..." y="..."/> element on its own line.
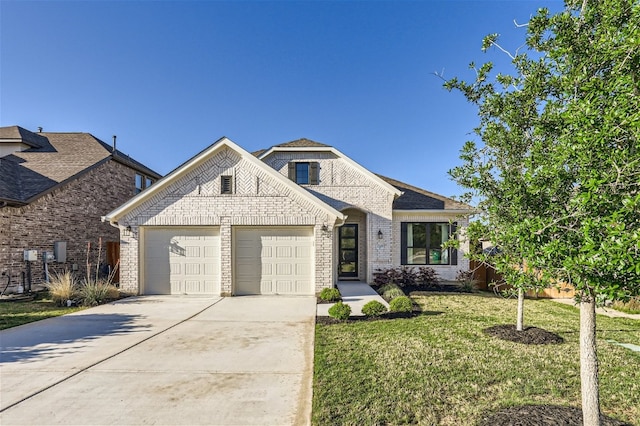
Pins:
<point x="142" y="182"/>
<point x="226" y="185"/>
<point x="304" y="173"/>
<point x="421" y="243"/>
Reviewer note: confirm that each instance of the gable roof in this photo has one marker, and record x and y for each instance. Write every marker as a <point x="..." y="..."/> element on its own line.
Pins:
<point x="53" y="159"/>
<point x="306" y="143"/>
<point x="18" y="134"/>
<point x="414" y="198"/>
<point x="200" y="158"/>
<point x="312" y="146"/>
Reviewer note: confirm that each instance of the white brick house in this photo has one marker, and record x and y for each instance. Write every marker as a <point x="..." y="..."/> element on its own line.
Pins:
<point x="293" y="219"/>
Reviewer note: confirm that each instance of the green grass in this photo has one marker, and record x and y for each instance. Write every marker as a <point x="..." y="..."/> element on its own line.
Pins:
<point x="441" y="369"/>
<point x="13" y="314"/>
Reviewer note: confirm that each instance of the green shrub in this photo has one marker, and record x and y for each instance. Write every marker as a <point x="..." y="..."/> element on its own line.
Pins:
<point x="340" y="311"/>
<point x="97" y="292"/>
<point x="374" y="309"/>
<point x="401" y="304"/>
<point x="330" y="295"/>
<point x="62" y="287"/>
<point x="390" y="291"/>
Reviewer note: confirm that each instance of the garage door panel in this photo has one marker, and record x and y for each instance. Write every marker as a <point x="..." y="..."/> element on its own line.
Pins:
<point x="181" y="260"/>
<point x="273" y="260"/>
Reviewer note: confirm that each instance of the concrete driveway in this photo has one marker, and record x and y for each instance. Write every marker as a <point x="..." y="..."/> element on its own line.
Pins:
<point x="163" y="360"/>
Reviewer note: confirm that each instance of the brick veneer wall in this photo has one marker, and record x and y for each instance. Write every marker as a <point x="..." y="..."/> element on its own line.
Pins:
<point x="344" y="187"/>
<point x="195" y="200"/>
<point x="70" y="213"/>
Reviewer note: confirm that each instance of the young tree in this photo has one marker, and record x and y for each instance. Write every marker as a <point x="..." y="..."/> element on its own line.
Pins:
<point x="557" y="171"/>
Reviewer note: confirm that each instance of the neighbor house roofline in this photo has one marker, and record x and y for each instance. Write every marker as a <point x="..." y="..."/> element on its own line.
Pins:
<point x="201" y="157"/>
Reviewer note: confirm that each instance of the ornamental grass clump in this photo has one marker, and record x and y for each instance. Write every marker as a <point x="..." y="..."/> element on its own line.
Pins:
<point x="96" y="290"/>
<point x="340" y="311"/>
<point x="374" y="309"/>
<point x="401" y="304"/>
<point x="390" y="291"/>
<point x="62" y="287"/>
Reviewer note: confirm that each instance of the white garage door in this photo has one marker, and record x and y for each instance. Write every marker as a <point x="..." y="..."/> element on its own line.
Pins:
<point x="273" y="260"/>
<point x="181" y="260"/>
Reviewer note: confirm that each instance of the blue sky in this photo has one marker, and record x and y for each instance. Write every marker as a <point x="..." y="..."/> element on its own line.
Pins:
<point x="171" y="77"/>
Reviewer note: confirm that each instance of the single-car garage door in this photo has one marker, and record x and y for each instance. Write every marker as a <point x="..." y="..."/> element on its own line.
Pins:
<point x="181" y="260"/>
<point x="275" y="260"/>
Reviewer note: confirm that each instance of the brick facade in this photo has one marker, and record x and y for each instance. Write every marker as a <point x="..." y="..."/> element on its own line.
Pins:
<point x="195" y="200"/>
<point x="69" y="213"/>
<point x="347" y="189"/>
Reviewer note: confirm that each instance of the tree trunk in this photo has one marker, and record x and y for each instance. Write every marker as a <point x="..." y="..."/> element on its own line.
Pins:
<point x="520" y="319"/>
<point x="589" y="362"/>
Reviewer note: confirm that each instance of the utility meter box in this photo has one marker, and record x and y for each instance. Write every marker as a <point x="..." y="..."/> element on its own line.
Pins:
<point x="31" y="255"/>
<point x="60" y="251"/>
<point x="48" y="256"/>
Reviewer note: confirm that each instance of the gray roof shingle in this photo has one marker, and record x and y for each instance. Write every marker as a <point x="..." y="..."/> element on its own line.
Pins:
<point x="414" y="198"/>
<point x="57" y="158"/>
<point x="302" y="143"/>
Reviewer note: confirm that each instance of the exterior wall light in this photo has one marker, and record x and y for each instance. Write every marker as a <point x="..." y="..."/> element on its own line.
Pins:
<point x="380" y="234"/>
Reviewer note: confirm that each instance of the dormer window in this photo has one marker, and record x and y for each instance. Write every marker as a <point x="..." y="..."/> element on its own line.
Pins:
<point x="304" y="173"/>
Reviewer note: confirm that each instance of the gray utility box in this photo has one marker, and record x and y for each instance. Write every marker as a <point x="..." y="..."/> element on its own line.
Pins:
<point x="60" y="251"/>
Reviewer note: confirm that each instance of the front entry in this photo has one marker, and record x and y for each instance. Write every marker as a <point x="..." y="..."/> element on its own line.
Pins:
<point x="348" y="250"/>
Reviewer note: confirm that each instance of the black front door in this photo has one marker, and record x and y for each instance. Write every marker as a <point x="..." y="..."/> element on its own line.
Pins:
<point x="348" y="250"/>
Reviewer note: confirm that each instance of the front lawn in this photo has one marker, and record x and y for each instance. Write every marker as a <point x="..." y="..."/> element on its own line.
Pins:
<point x="441" y="369"/>
<point x="13" y="314"/>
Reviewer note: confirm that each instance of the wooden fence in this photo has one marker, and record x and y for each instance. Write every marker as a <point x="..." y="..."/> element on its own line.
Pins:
<point x="485" y="275"/>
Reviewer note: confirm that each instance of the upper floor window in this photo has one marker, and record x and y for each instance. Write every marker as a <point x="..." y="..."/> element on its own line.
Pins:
<point x="304" y="173"/>
<point x="421" y="243"/>
<point x="226" y="185"/>
<point x="142" y="182"/>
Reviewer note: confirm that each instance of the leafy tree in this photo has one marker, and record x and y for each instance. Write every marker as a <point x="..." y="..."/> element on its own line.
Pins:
<point x="557" y="171"/>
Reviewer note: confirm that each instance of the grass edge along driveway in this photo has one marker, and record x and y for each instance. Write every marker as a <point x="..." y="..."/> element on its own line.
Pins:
<point x="440" y="368"/>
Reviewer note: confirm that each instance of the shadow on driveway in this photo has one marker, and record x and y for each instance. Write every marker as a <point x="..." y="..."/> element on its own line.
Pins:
<point x="63" y="335"/>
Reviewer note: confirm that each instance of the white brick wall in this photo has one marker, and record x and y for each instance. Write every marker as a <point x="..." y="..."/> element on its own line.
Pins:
<point x="195" y="200"/>
<point x="344" y="187"/>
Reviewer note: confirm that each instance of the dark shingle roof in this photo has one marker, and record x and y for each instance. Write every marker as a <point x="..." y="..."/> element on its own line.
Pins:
<point x="302" y="143"/>
<point x="414" y="198"/>
<point x="60" y="156"/>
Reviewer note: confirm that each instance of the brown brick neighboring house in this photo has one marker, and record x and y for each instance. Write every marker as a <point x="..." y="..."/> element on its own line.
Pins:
<point x="54" y="187"/>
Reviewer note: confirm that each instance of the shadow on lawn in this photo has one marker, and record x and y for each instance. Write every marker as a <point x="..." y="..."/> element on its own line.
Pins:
<point x="62" y="336"/>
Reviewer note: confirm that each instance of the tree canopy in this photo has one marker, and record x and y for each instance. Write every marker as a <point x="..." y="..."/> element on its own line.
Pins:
<point x="557" y="169"/>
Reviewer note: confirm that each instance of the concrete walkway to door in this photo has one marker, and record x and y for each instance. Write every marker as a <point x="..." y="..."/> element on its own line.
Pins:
<point x="171" y="360"/>
<point x="356" y="295"/>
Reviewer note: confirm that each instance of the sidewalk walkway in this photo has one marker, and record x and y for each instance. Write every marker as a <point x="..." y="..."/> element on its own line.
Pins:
<point x="355" y="294"/>
<point x="612" y="313"/>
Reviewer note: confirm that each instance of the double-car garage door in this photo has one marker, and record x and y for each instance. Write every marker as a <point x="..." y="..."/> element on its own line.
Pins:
<point x="266" y="260"/>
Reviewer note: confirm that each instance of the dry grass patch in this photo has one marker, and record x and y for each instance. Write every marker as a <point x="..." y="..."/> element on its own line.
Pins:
<point x="442" y="369"/>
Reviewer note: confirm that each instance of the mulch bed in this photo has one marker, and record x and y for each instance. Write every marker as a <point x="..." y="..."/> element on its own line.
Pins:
<point x="541" y="415"/>
<point x="528" y="336"/>
<point x="385" y="316"/>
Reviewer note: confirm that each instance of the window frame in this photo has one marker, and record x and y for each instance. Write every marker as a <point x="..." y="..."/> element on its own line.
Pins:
<point x="145" y="182"/>
<point x="312" y="174"/>
<point x="451" y="253"/>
